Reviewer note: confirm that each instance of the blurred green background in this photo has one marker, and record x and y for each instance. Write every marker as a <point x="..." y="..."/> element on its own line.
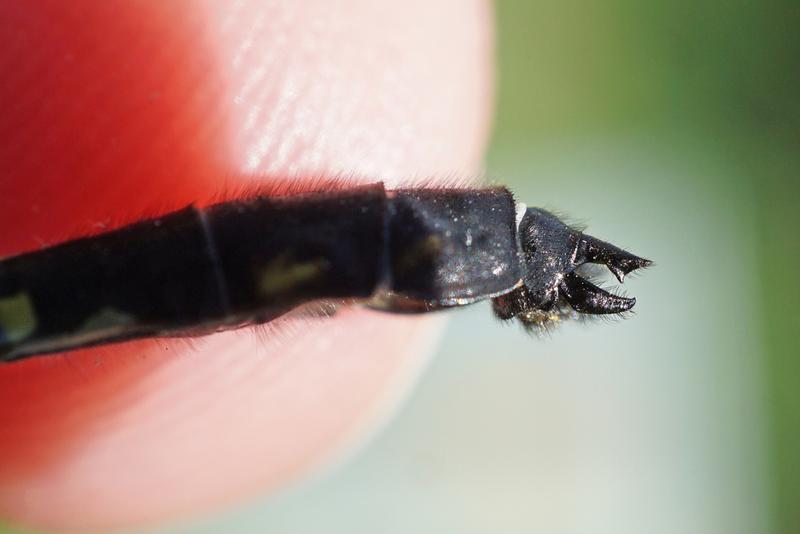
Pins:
<point x="672" y="129"/>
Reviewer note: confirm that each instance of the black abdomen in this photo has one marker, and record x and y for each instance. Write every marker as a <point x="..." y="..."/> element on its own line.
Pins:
<point x="248" y="261"/>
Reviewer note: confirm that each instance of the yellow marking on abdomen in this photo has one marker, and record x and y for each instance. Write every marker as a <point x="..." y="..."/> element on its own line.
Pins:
<point x="17" y="318"/>
<point x="284" y="274"/>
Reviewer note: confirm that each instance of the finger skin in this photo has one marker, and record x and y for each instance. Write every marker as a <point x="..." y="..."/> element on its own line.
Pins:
<point x="114" y="110"/>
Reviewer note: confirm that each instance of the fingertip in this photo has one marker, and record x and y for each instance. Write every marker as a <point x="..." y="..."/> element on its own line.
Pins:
<point x="127" y="108"/>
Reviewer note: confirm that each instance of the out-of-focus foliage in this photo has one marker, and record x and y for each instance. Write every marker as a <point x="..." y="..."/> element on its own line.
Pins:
<point x="716" y="78"/>
<point x="729" y="68"/>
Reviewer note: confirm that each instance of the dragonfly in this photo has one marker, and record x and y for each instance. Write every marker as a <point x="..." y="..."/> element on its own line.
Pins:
<point x="248" y="261"/>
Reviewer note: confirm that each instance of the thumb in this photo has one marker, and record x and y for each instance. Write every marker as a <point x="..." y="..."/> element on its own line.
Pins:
<point x="115" y="109"/>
